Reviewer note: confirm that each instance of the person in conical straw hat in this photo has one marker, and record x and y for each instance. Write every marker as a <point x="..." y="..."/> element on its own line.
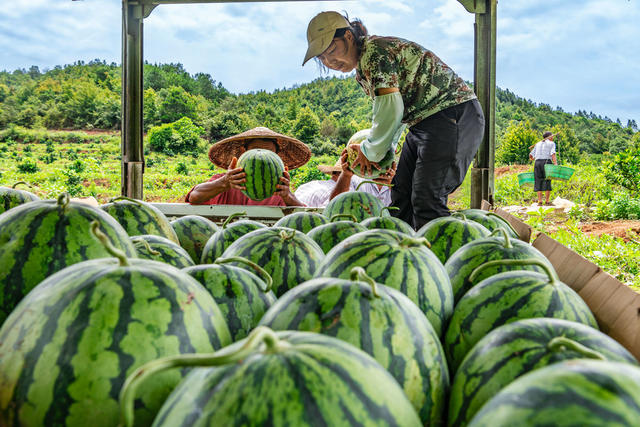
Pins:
<point x="410" y="87"/>
<point x="319" y="192"/>
<point x="225" y="188"/>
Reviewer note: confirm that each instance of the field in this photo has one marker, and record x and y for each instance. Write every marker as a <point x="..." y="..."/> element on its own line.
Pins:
<point x="603" y="226"/>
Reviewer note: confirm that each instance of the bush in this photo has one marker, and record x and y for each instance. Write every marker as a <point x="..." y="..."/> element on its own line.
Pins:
<point x="624" y="169"/>
<point x="516" y="144"/>
<point x="181" y="137"/>
<point x="28" y="166"/>
<point x="182" y="169"/>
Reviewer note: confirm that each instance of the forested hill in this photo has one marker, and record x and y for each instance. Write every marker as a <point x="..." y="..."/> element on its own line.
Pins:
<point x="323" y="113"/>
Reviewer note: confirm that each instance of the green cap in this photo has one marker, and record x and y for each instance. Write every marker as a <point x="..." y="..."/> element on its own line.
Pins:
<point x="320" y="32"/>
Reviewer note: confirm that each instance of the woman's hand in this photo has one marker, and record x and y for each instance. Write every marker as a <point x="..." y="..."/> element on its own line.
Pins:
<point x="366" y="166"/>
<point x="235" y="177"/>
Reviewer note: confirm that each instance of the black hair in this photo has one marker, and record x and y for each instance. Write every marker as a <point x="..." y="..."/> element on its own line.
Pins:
<point x="357" y="30"/>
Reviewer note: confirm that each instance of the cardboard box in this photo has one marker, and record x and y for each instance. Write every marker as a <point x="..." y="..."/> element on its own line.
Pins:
<point x="615" y="305"/>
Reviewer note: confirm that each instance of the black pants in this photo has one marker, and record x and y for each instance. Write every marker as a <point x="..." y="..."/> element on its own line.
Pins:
<point x="541" y="183"/>
<point x="435" y="157"/>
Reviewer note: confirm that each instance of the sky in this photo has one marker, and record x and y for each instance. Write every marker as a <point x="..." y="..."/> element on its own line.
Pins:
<point x="572" y="54"/>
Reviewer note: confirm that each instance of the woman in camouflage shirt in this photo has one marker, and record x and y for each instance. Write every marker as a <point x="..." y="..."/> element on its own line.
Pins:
<point x="410" y="86"/>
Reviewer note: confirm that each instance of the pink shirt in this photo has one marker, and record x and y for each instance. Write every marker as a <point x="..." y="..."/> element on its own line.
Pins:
<point x="235" y="197"/>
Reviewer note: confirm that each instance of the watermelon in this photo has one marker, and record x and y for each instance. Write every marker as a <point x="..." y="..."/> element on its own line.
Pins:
<point x="10" y="197"/>
<point x="380" y="321"/>
<point x="138" y="217"/>
<point x="149" y="246"/>
<point x="289" y="256"/>
<point x="193" y="232"/>
<point x="42" y="237"/>
<point x="388" y="223"/>
<point x="359" y="204"/>
<point x="329" y="235"/>
<point x="384" y="165"/>
<point x="285" y="378"/>
<point x="226" y="235"/>
<point x="67" y="349"/>
<point x="490" y="220"/>
<point x="571" y="393"/>
<point x="447" y="234"/>
<point x="498" y="245"/>
<point x="398" y="261"/>
<point x="512" y="350"/>
<point x="241" y="295"/>
<point x="302" y="221"/>
<point x="263" y="169"/>
<point x="507" y="297"/>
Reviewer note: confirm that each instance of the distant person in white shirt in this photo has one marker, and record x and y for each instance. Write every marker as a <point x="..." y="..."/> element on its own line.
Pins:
<point x="543" y="152"/>
<point x="318" y="193"/>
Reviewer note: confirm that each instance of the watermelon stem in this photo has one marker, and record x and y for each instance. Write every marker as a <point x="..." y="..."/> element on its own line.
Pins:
<point x="359" y="274"/>
<point x="231" y="217"/>
<point x="63" y="200"/>
<point x="372" y="182"/>
<point x="104" y="239"/>
<point x="343" y="215"/>
<point x="260" y="335"/>
<point x="551" y="273"/>
<point x="507" y="240"/>
<point x="287" y="234"/>
<point x="388" y="208"/>
<point x="563" y="343"/>
<point x="21" y="182"/>
<point x="139" y="241"/>
<point x="503" y="220"/>
<point x="261" y="271"/>
<point x="459" y="215"/>
<point x="415" y="241"/>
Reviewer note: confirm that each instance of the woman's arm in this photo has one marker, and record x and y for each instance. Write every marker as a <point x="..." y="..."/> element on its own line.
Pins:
<point x="344" y="180"/>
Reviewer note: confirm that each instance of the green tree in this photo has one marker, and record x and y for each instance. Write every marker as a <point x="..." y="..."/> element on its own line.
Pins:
<point x="516" y="144"/>
<point x="624" y="169"/>
<point x="567" y="144"/>
<point x="181" y="136"/>
<point x="307" y="125"/>
<point x="175" y="103"/>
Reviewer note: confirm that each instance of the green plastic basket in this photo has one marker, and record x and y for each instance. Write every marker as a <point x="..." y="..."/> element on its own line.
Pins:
<point x="526" y="179"/>
<point x="562" y="173"/>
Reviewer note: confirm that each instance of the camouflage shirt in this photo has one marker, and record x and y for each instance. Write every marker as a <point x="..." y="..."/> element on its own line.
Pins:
<point x="427" y="84"/>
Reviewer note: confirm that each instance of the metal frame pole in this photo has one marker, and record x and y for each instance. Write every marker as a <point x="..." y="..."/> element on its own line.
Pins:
<point x="482" y="172"/>
<point x="132" y="96"/>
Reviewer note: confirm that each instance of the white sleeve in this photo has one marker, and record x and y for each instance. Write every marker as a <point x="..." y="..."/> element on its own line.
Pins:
<point x="386" y="126"/>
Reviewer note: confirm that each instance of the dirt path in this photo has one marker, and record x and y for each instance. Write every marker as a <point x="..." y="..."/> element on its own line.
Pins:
<point x="625" y="229"/>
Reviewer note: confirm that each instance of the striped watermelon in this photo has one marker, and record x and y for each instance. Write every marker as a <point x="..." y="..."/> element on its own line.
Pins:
<point x="497" y="246"/>
<point x="505" y="298"/>
<point x="398" y="261"/>
<point x="226" y="235"/>
<point x="42" y="237"/>
<point x="193" y="232"/>
<point x="380" y="321"/>
<point x="67" y="349"/>
<point x="288" y="378"/>
<point x="289" y="256"/>
<point x="571" y="393"/>
<point x="138" y="217"/>
<point x="329" y="235"/>
<point x="357" y="203"/>
<point x="512" y="350"/>
<point x="447" y="234"/>
<point x="388" y="223"/>
<point x="10" y="197"/>
<point x="149" y="246"/>
<point x="241" y="295"/>
<point x="490" y="220"/>
<point x="384" y="164"/>
<point x="263" y="169"/>
<point x="302" y="221"/>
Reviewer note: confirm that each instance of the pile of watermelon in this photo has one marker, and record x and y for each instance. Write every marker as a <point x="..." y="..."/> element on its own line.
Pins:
<point x="116" y="316"/>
